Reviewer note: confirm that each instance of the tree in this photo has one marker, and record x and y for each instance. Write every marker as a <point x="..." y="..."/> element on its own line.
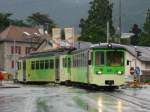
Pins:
<point x="4" y="20"/>
<point x="136" y="30"/>
<point x="41" y="19"/>
<point x="147" y="23"/>
<point x="93" y="28"/>
<point x="144" y="39"/>
<point x="19" y="23"/>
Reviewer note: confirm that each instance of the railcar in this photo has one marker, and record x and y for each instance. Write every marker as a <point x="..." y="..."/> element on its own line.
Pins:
<point x="101" y="65"/>
<point x="42" y="67"/>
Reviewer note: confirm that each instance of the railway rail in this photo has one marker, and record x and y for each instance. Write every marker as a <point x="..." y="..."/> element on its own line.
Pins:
<point x="141" y="102"/>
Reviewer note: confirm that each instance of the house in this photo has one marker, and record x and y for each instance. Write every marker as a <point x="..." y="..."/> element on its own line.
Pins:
<point x="138" y="56"/>
<point x="15" y="42"/>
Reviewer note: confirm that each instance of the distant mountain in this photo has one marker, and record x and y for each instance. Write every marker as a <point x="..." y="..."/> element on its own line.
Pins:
<point x="69" y="12"/>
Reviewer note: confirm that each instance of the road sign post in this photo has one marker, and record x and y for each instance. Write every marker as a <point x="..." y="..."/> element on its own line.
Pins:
<point x="132" y="70"/>
<point x="138" y="73"/>
<point x="135" y="73"/>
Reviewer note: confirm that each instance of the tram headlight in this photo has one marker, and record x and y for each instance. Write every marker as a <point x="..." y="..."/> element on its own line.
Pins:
<point x="119" y="72"/>
<point x="99" y="72"/>
<point x="109" y="45"/>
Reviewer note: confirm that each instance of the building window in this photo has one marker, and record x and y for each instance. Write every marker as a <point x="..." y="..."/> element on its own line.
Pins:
<point x="17" y="50"/>
<point x="12" y="49"/>
<point x="12" y="64"/>
<point x="147" y="65"/>
<point x="27" y="50"/>
<point x="128" y="62"/>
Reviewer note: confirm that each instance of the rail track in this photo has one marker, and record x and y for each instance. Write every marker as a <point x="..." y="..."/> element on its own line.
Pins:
<point x="140" y="102"/>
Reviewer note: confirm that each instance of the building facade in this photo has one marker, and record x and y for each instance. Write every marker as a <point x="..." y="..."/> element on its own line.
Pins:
<point x="14" y="44"/>
<point x="142" y="61"/>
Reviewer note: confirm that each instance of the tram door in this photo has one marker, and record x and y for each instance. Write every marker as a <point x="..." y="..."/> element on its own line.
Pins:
<point x="57" y="69"/>
<point x="24" y="70"/>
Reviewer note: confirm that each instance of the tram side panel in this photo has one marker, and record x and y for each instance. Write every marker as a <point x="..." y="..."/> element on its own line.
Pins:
<point x="79" y="71"/>
<point x="65" y="71"/>
<point x="20" y="71"/>
<point x="40" y="70"/>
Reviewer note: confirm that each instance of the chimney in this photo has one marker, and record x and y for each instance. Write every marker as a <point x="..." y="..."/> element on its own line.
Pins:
<point x="41" y="29"/>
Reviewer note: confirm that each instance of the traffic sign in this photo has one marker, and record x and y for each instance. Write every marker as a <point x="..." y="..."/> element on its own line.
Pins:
<point x="132" y="70"/>
<point x="137" y="71"/>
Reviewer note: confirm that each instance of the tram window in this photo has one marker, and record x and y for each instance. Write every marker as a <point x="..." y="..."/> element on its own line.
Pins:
<point x="51" y="63"/>
<point x="32" y="65"/>
<point x="77" y="60"/>
<point x="81" y="59"/>
<point x="91" y="57"/>
<point x="74" y="61"/>
<point x="18" y="65"/>
<point x="64" y="62"/>
<point x="99" y="58"/>
<point x="46" y="64"/>
<point x="42" y="64"/>
<point x="115" y="58"/>
<point x="37" y="65"/>
<point x="69" y="62"/>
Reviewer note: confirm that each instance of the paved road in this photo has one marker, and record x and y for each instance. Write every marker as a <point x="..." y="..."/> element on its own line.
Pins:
<point x="69" y="99"/>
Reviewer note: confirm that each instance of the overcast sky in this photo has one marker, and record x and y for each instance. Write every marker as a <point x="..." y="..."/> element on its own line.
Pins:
<point x="69" y="12"/>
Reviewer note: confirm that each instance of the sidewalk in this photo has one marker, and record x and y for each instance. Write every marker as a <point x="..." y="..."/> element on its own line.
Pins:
<point x="9" y="84"/>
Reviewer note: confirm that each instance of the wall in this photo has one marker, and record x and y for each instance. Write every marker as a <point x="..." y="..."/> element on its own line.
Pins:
<point x="133" y="62"/>
<point x="144" y="66"/>
<point x="9" y="57"/>
<point x="1" y="55"/>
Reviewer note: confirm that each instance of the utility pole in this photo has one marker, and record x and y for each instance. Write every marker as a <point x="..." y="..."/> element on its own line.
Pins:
<point x="108" y="32"/>
<point x="120" y="19"/>
<point x="108" y="27"/>
<point x="14" y="60"/>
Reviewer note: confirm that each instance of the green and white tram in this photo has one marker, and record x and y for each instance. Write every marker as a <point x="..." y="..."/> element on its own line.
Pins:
<point x="101" y="65"/>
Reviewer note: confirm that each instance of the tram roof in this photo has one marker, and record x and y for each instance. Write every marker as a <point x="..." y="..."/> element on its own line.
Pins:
<point x="51" y="52"/>
<point x="145" y="51"/>
<point x="107" y="45"/>
<point x="102" y="46"/>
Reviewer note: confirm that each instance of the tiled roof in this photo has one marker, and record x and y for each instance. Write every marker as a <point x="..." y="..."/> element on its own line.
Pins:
<point x="16" y="33"/>
<point x="144" y="51"/>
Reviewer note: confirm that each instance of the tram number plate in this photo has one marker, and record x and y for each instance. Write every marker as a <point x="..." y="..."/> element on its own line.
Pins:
<point x="109" y="82"/>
